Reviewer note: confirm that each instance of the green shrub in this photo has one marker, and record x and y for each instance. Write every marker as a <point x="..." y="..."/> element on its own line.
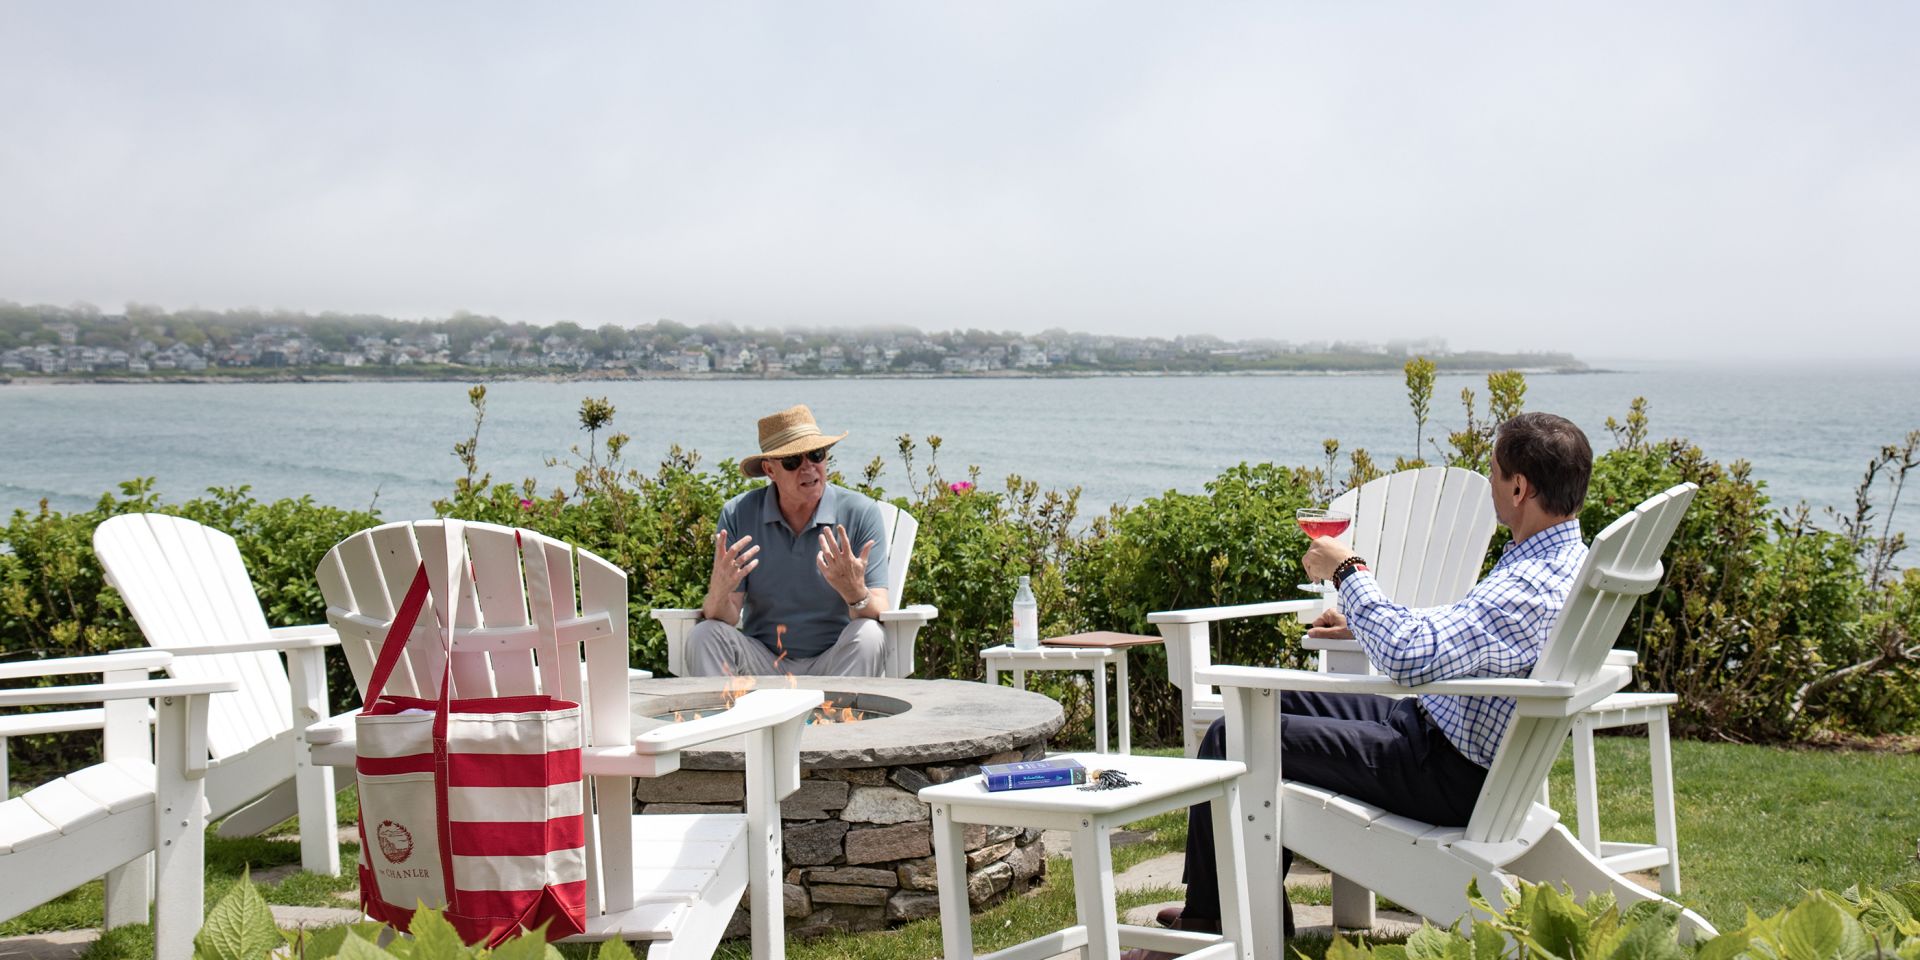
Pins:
<point x="1768" y="625"/>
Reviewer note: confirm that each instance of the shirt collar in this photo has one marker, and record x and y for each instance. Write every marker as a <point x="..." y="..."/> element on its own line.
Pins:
<point x="826" y="512"/>
<point x="1546" y="543"/>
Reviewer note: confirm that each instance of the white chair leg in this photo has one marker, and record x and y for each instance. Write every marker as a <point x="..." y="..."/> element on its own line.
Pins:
<point x="1665" y="824"/>
<point x="1353" y="905"/>
<point x="1229" y="849"/>
<point x="1125" y="719"/>
<point x="129" y="892"/>
<point x="950" y="866"/>
<point x="1586" y="788"/>
<point x="180" y="836"/>
<point x="313" y="784"/>
<point x="1093" y="889"/>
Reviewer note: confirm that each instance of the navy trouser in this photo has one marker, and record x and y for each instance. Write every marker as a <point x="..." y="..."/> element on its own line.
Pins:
<point x="1382" y="750"/>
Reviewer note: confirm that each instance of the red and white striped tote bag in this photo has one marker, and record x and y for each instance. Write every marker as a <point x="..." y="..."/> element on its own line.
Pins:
<point x="476" y="804"/>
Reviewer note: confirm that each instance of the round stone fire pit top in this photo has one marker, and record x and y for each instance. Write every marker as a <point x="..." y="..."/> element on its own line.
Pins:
<point x="943" y="720"/>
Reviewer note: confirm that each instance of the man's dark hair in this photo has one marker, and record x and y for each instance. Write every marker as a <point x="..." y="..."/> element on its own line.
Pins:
<point x="1552" y="454"/>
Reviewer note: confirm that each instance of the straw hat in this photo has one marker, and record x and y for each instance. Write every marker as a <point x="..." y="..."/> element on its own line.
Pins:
<point x="784" y="434"/>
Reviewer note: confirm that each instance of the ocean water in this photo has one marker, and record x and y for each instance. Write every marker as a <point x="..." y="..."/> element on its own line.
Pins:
<point x="1808" y="432"/>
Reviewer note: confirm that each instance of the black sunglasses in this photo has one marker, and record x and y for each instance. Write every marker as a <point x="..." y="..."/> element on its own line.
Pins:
<point x="811" y="456"/>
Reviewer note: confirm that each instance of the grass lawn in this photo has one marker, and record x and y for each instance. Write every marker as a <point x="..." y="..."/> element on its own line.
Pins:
<point x="1758" y="825"/>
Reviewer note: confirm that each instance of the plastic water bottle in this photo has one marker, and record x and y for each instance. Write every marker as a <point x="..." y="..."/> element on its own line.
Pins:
<point x="1026" y="618"/>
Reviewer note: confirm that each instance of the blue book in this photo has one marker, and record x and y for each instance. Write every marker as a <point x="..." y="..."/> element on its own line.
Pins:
<point x="1033" y="773"/>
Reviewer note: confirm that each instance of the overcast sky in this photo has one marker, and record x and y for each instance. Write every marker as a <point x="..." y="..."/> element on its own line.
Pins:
<point x="1618" y="179"/>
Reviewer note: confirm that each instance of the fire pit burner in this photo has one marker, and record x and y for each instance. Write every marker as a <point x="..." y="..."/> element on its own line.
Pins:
<point x="840" y="707"/>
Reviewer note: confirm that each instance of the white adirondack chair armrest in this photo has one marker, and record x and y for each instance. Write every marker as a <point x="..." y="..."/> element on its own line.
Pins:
<point x="1623" y="658"/>
<point x="1330" y="643"/>
<point x="1536" y="698"/>
<point x="676" y="613"/>
<point x="921" y="612"/>
<point x="57" y="721"/>
<point x="140" y="659"/>
<point x="305" y="630"/>
<point x="333" y="729"/>
<point x="1239" y="611"/>
<point x="100" y="692"/>
<point x="272" y="645"/>
<point x="761" y="708"/>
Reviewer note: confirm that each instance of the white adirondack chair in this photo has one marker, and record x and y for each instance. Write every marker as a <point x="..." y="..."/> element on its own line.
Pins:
<point x="1424" y="533"/>
<point x="188" y="589"/>
<point x="136" y="819"/>
<point x="902" y="624"/>
<point x="1509" y="837"/>
<point x="671" y="880"/>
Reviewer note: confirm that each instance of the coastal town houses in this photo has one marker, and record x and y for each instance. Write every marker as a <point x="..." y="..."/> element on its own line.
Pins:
<point x="71" y="342"/>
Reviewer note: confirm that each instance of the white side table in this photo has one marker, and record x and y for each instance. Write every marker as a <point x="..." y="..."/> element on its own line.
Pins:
<point x="1092" y="652"/>
<point x="1626" y="709"/>
<point x="1164" y="783"/>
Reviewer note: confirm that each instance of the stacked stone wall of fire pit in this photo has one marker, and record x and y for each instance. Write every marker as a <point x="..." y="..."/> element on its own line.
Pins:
<point x="859" y="843"/>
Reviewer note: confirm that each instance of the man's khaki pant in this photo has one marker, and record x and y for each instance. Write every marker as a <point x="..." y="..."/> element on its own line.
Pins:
<point x="714" y="648"/>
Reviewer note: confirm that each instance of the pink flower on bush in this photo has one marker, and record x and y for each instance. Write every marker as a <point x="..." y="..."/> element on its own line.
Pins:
<point x="960" y="487"/>
<point x="526" y="504"/>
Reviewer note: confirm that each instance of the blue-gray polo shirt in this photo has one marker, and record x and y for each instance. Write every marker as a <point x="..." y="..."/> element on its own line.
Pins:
<point x="787" y="586"/>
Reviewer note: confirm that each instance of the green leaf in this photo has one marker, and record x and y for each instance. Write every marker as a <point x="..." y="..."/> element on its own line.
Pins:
<point x="323" y="942"/>
<point x="615" y="949"/>
<point x="1556" y="922"/>
<point x="528" y="945"/>
<point x="1818" y="929"/>
<point x="1644" y="937"/>
<point x="434" y="938"/>
<point x="356" y="948"/>
<point x="239" y="927"/>
<point x="1343" y="949"/>
<point x="1430" y="943"/>
<point x="1910" y="950"/>
<point x="1723" y="947"/>
<point x="1488" y="942"/>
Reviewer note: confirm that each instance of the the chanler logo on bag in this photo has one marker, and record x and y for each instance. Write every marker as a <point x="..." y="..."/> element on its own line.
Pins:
<point x="396" y="842"/>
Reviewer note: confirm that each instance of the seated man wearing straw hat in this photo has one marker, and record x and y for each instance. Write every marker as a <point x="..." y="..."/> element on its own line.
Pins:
<point x="805" y="560"/>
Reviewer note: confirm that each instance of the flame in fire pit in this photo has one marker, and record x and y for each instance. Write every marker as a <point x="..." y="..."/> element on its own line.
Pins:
<point x="738" y="685"/>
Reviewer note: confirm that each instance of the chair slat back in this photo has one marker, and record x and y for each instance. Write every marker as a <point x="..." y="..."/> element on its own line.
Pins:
<point x="901" y="529"/>
<point x="1623" y="563"/>
<point x="376" y="565"/>
<point x="1423" y="531"/>
<point x="187" y="585"/>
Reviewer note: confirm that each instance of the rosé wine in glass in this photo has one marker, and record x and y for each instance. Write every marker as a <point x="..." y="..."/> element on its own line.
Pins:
<point x="1317" y="523"/>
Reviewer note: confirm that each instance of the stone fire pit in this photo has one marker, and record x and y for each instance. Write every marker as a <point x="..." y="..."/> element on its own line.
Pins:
<point x="859" y="844"/>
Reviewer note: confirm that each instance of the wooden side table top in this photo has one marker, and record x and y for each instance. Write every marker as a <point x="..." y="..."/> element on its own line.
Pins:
<point x="1101" y="639"/>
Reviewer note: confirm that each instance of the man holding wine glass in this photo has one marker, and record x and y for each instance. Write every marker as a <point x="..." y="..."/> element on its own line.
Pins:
<point x="1423" y="757"/>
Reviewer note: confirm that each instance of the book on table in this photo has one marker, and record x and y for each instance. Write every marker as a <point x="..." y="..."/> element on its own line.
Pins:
<point x="1029" y="774"/>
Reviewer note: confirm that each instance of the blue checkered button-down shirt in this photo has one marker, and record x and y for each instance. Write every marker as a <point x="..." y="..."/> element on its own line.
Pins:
<point x="1496" y="631"/>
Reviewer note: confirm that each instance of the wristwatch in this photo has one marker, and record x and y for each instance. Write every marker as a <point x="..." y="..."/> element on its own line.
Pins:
<point x="861" y="604"/>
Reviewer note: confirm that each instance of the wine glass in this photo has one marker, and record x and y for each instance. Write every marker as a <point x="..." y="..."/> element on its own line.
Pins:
<point x="1317" y="522"/>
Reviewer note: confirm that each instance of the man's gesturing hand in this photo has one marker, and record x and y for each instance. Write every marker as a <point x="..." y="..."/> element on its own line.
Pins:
<point x="845" y="570"/>
<point x="732" y="562"/>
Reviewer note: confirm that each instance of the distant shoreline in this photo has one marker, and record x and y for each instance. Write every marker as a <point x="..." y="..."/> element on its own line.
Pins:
<point x="674" y="376"/>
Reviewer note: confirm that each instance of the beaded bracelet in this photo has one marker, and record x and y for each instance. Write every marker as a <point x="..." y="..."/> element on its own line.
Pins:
<point x="1347" y="568"/>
